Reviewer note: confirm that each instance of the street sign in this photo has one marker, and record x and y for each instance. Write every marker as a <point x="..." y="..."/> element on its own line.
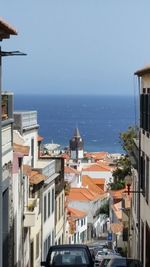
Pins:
<point x="109" y="237"/>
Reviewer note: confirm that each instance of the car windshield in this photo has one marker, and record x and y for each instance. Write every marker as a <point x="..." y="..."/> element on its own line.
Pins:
<point x="68" y="256"/>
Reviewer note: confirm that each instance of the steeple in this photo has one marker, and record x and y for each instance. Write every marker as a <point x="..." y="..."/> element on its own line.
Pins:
<point x="76" y="145"/>
<point x="77" y="133"/>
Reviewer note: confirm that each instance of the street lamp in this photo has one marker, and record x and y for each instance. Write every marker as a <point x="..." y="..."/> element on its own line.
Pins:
<point x="128" y="183"/>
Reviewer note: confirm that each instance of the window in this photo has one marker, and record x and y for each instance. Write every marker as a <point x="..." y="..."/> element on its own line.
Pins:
<point x="62" y="205"/>
<point x="145" y="111"/>
<point x="49" y="241"/>
<point x="32" y="152"/>
<point x="53" y="199"/>
<point x="37" y="245"/>
<point x="45" y="208"/>
<point x="31" y="254"/>
<point x="143" y="173"/>
<point x="49" y="203"/>
<point x="59" y="209"/>
<point x="147" y="180"/>
<point x="56" y="215"/>
<point x="53" y="237"/>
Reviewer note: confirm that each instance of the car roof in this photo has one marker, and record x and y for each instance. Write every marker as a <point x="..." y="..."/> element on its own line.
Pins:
<point x="69" y="246"/>
<point x="112" y="256"/>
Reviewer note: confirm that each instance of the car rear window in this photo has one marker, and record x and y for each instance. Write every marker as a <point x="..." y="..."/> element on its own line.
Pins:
<point x="68" y="257"/>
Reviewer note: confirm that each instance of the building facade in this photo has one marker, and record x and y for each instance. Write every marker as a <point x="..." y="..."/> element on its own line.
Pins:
<point x="143" y="198"/>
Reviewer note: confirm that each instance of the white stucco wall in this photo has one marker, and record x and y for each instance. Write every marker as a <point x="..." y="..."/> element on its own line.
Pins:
<point x="73" y="179"/>
<point x="48" y="226"/>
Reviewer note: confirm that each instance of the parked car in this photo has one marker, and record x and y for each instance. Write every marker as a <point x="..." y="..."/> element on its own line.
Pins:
<point x="120" y="262"/>
<point x="105" y="259"/>
<point x="68" y="255"/>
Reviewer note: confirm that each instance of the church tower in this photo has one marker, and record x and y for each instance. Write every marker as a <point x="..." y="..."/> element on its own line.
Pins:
<point x="76" y="146"/>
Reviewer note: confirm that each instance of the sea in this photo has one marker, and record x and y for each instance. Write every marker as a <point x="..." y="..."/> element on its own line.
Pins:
<point x="100" y="119"/>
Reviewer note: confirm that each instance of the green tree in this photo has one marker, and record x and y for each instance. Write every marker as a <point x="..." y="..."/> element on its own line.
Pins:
<point x="127" y="138"/>
<point x="124" y="164"/>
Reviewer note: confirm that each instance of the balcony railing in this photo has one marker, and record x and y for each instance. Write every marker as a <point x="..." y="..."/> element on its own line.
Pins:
<point x="25" y="120"/>
<point x="31" y="212"/>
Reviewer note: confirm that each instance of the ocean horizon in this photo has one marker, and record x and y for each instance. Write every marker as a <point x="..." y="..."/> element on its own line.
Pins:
<point x="100" y="118"/>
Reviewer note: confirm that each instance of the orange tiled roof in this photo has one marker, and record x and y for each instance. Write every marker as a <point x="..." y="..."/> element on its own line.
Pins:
<point x="96" y="168"/>
<point x="39" y="138"/>
<point x="65" y="156"/>
<point x="99" y="180"/>
<point x="96" y="155"/>
<point x="75" y="213"/>
<point x="27" y="170"/>
<point x="105" y="165"/>
<point x="68" y="169"/>
<point x="36" y="177"/>
<point x="21" y="149"/>
<point x="6" y="29"/>
<point x="83" y="194"/>
<point x="116" y="227"/>
<point x="87" y="181"/>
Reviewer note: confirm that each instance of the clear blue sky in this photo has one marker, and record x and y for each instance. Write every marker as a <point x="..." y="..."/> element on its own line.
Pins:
<point x="76" y="46"/>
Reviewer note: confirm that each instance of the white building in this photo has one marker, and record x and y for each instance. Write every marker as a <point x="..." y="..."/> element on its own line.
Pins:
<point x="6" y="178"/>
<point x="76" y="226"/>
<point x="42" y="234"/>
<point x="97" y="171"/>
<point x="89" y="202"/>
<point x="72" y="176"/>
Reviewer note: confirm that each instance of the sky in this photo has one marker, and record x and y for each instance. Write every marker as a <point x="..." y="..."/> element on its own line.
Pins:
<point x="76" y="46"/>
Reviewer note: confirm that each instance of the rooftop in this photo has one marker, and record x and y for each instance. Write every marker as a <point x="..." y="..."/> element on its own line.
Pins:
<point x="83" y="194"/>
<point x="97" y="168"/>
<point x="21" y="149"/>
<point x="36" y="178"/>
<point x="143" y="71"/>
<point x="68" y="170"/>
<point x="75" y="213"/>
<point x="87" y="181"/>
<point x="6" y="29"/>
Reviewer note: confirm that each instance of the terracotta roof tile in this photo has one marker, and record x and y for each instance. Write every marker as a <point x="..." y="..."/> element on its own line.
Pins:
<point x="116" y="227"/>
<point x="39" y="138"/>
<point x="99" y="181"/>
<point x="105" y="166"/>
<point x="96" y="155"/>
<point x="75" y="213"/>
<point x="21" y="149"/>
<point x="65" y="156"/>
<point x="87" y="181"/>
<point x="96" y="168"/>
<point x="36" y="178"/>
<point x="83" y="194"/>
<point x="68" y="169"/>
<point x="6" y="29"/>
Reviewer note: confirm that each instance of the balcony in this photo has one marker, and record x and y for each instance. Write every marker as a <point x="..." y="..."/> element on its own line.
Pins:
<point x="25" y="120"/>
<point x="31" y="212"/>
<point x="7" y="106"/>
